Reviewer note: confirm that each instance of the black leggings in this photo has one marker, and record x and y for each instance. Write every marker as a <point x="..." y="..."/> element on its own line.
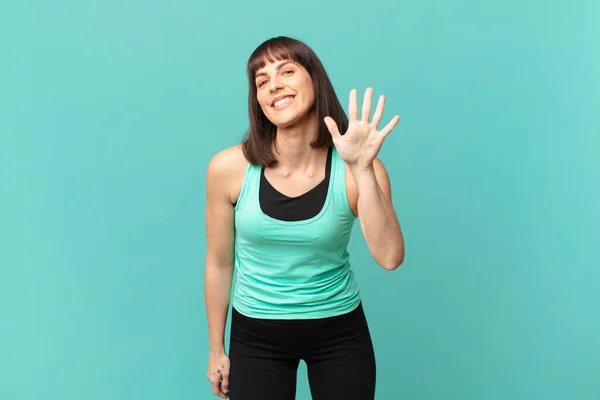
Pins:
<point x="265" y="355"/>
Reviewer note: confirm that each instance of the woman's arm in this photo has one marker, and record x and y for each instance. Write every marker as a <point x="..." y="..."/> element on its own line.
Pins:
<point x="219" y="219"/>
<point x="378" y="219"/>
<point x="359" y="147"/>
<point x="219" y="251"/>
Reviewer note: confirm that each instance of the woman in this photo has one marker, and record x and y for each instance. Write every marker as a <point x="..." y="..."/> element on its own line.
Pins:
<point x="280" y="209"/>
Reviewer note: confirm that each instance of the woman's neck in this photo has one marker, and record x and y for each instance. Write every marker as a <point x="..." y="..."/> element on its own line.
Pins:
<point x="292" y="146"/>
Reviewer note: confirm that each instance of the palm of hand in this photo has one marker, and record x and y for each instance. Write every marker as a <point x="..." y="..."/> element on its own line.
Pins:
<point x="362" y="141"/>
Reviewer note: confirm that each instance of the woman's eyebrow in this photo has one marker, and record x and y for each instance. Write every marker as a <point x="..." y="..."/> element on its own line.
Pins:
<point x="277" y="68"/>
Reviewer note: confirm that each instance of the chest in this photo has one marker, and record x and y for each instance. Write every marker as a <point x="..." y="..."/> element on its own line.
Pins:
<point x="329" y="230"/>
<point x="293" y="184"/>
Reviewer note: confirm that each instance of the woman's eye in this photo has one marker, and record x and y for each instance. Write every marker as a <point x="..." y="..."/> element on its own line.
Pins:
<point x="287" y="72"/>
<point x="261" y="83"/>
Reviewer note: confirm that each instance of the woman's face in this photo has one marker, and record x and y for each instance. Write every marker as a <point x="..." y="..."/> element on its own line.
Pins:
<point x="285" y="92"/>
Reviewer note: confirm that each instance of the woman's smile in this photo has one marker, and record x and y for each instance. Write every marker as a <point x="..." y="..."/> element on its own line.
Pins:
<point x="282" y="102"/>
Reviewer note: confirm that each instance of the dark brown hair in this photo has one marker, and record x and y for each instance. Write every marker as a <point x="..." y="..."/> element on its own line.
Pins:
<point x="257" y="143"/>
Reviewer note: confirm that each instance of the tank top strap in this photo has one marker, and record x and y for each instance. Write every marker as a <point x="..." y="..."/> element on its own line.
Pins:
<point x="250" y="186"/>
<point x="338" y="174"/>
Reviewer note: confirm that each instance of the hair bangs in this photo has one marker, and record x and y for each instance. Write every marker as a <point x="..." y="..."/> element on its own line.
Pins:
<point x="278" y="49"/>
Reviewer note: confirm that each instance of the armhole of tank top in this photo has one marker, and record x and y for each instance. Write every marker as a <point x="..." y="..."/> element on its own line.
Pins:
<point x="340" y="169"/>
<point x="243" y="188"/>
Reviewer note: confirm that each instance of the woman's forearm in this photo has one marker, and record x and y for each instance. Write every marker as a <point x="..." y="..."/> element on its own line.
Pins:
<point x="217" y="291"/>
<point x="380" y="223"/>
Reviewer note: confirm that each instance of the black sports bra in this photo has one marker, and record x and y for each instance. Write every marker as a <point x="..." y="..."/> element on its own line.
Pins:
<point x="279" y="206"/>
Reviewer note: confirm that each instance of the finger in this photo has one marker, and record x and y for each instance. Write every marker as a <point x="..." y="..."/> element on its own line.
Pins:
<point x="388" y="128"/>
<point x="353" y="105"/>
<point x="332" y="127"/>
<point x="216" y="389"/>
<point x="225" y="382"/>
<point x="215" y="381"/>
<point x="378" y="112"/>
<point x="367" y="102"/>
<point x="215" y="386"/>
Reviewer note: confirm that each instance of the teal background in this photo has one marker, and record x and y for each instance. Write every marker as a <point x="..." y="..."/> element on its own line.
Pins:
<point x="110" y="111"/>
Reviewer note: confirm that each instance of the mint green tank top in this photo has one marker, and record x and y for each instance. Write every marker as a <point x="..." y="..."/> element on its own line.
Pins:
<point x="294" y="269"/>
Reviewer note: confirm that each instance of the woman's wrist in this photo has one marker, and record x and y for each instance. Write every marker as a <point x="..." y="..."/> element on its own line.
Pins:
<point x="217" y="349"/>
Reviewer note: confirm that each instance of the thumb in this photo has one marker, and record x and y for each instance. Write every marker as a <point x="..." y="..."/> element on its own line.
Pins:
<point x="332" y="127"/>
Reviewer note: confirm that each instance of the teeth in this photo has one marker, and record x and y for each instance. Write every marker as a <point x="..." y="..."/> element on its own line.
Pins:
<point x="282" y="101"/>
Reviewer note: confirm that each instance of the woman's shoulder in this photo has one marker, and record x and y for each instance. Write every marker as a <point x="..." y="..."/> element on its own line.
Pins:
<point x="228" y="161"/>
<point x="227" y="169"/>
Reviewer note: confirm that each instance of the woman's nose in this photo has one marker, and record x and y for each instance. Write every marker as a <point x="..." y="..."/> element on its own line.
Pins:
<point x="274" y="85"/>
